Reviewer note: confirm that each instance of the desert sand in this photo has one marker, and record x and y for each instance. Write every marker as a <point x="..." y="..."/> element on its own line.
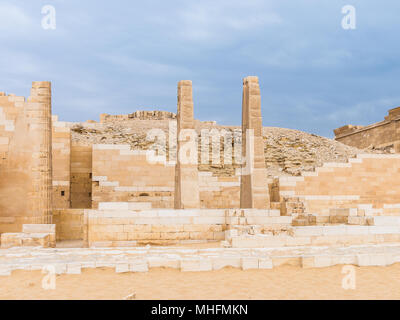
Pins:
<point x="285" y="282"/>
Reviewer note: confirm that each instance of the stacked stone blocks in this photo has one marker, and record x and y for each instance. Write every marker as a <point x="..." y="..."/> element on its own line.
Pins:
<point x="186" y="174"/>
<point x="253" y="184"/>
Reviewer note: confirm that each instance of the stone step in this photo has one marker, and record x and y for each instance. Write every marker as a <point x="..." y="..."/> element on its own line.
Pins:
<point x="384" y="221"/>
<point x="72" y="261"/>
<point x="320" y="236"/>
<point x="21" y="239"/>
<point x="343" y="230"/>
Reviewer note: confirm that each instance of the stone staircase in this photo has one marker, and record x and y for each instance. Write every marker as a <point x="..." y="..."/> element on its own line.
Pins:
<point x="327" y="207"/>
<point x="366" y="185"/>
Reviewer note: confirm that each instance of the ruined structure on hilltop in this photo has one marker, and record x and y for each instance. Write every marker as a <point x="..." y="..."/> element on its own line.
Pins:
<point x="140" y="115"/>
<point x="381" y="135"/>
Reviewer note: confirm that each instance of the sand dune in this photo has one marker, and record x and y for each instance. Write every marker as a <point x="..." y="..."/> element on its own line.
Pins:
<point x="284" y="282"/>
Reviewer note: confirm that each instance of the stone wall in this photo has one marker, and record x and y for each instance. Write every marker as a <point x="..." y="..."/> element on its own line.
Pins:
<point x="157" y="227"/>
<point x="115" y="225"/>
<point x="368" y="183"/>
<point x="379" y="135"/>
<point x="81" y="176"/>
<point x="138" y="115"/>
<point x="69" y="224"/>
<point x="121" y="174"/>
<point x="219" y="192"/>
<point x="61" y="161"/>
<point x="124" y="175"/>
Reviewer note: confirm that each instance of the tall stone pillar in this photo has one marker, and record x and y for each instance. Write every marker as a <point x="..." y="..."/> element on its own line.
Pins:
<point x="253" y="183"/>
<point x="25" y="174"/>
<point x="186" y="171"/>
<point x="38" y="109"/>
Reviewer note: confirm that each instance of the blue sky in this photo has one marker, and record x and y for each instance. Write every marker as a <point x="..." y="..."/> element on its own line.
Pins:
<point x="121" y="56"/>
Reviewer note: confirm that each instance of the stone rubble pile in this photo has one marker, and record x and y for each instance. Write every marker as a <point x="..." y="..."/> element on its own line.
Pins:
<point x="287" y="151"/>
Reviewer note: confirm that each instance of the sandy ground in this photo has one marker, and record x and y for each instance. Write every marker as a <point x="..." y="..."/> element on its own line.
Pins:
<point x="286" y="282"/>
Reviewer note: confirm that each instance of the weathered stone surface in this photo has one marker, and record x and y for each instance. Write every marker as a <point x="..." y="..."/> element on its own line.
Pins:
<point x="186" y="174"/>
<point x="253" y="181"/>
<point x="25" y="158"/>
<point x="377" y="136"/>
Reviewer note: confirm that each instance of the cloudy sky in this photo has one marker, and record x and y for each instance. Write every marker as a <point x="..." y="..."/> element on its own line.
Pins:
<point x="121" y="56"/>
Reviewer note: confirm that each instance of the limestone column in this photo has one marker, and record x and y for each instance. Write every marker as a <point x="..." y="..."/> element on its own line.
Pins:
<point x="38" y="110"/>
<point x="253" y="183"/>
<point x="186" y="171"/>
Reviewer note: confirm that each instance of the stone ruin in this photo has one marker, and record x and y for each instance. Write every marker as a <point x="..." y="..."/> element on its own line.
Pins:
<point x="103" y="196"/>
<point x="381" y="135"/>
<point x="141" y="115"/>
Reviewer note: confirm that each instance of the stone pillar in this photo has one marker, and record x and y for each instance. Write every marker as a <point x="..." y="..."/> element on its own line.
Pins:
<point x="186" y="171"/>
<point x="253" y="183"/>
<point x="25" y="174"/>
<point x="38" y="110"/>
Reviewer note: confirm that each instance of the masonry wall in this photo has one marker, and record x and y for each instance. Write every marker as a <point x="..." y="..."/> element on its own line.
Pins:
<point x="163" y="227"/>
<point x="118" y="226"/>
<point x="380" y="134"/>
<point x="61" y="152"/>
<point x="81" y="176"/>
<point x="219" y="192"/>
<point x="139" y="115"/>
<point x="69" y="223"/>
<point x="370" y="181"/>
<point x="11" y="108"/>
<point x="121" y="174"/>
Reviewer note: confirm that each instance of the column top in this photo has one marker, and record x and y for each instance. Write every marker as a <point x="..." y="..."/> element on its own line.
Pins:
<point x="250" y="79"/>
<point x="41" y="84"/>
<point x="185" y="83"/>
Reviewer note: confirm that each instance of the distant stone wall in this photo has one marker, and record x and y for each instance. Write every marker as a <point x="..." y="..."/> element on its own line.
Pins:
<point x="138" y="115"/>
<point x="379" y="135"/>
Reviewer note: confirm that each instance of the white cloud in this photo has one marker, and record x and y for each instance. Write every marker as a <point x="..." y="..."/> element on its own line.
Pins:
<point x="19" y="63"/>
<point x="363" y="110"/>
<point x="217" y="20"/>
<point x="86" y="104"/>
<point x="14" y="20"/>
<point x="141" y="66"/>
<point x="332" y="58"/>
